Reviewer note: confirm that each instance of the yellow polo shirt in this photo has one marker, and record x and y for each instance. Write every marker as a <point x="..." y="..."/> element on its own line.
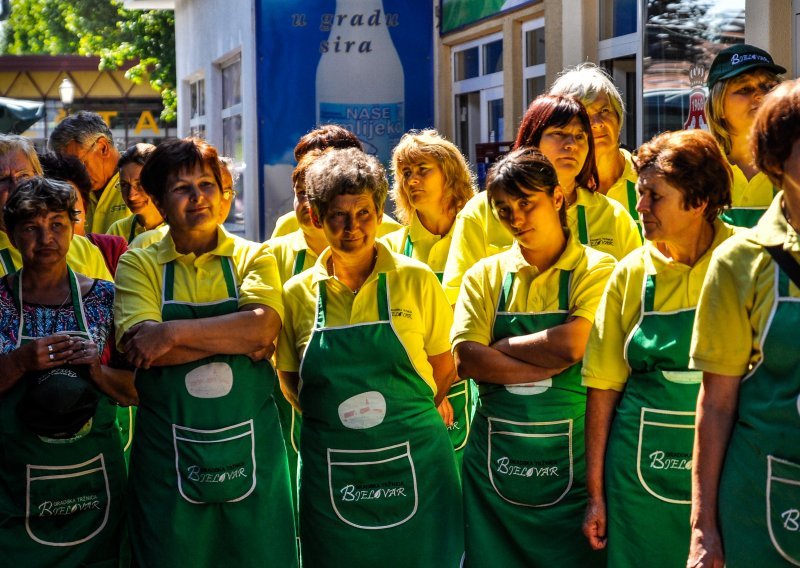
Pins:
<point x="129" y="226"/>
<point x="477" y="233"/>
<point x="531" y="292"/>
<point x="420" y="312"/>
<point x="286" y="249"/>
<point x="426" y="247"/>
<point x="610" y="228"/>
<point x="150" y="237"/>
<point x="104" y="211"/>
<point x="677" y="287"/>
<point x="287" y="223"/>
<point x="738" y="295"/>
<point x="83" y="257"/>
<point x="622" y="191"/>
<point x="198" y="279"/>
<point x="756" y="192"/>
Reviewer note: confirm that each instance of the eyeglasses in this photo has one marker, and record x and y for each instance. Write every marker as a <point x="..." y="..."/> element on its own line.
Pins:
<point x="13" y="178"/>
<point x="89" y="151"/>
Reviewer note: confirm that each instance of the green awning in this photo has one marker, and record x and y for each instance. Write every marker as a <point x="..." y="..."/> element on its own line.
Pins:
<point x="17" y="115"/>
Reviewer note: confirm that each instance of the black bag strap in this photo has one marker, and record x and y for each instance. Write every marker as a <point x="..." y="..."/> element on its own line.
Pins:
<point x="786" y="261"/>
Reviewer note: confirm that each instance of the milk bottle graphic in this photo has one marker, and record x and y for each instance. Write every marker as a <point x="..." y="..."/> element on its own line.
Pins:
<point x="360" y="77"/>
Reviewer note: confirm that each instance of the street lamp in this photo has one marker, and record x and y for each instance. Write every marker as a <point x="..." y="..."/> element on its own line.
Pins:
<point x="66" y="90"/>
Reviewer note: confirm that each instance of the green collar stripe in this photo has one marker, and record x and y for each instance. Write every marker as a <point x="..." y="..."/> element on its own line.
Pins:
<point x="383" y="298"/>
<point x="6" y="261"/>
<point x="583" y="231"/>
<point x="299" y="262"/>
<point x="409" y="246"/>
<point x="632" y="200"/>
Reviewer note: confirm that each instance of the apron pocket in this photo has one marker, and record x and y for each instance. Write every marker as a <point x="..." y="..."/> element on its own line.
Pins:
<point x="66" y="505"/>
<point x="783" y="507"/>
<point x="215" y="466"/>
<point x="461" y="401"/>
<point x="664" y="454"/>
<point x="373" y="489"/>
<point x="530" y="463"/>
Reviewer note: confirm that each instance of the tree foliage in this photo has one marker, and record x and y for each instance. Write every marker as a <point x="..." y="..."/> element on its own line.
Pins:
<point x="101" y="28"/>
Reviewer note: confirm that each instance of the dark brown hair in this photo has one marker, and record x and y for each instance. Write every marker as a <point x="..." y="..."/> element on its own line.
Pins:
<point x="690" y="161"/>
<point x="326" y="136"/>
<point x="775" y="130"/>
<point x="173" y="156"/>
<point x="553" y="110"/>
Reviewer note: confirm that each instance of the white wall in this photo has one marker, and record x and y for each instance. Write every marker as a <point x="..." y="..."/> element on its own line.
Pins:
<point x="207" y="33"/>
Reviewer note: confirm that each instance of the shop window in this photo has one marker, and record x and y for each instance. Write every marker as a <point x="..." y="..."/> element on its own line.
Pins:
<point x="197" y="111"/>
<point x="533" y="71"/>
<point x="617" y="18"/>
<point x="232" y="138"/>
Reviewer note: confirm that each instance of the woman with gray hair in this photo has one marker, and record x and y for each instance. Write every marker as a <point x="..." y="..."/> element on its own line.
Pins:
<point x="62" y="468"/>
<point x="364" y="353"/>
<point x="596" y="91"/>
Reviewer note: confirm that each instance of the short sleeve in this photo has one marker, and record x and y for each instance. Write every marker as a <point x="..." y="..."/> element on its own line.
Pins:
<point x="286" y="356"/>
<point x="261" y="282"/>
<point x="722" y="337"/>
<point x="604" y="365"/>
<point x="467" y="248"/>
<point x="472" y="318"/>
<point x="138" y="294"/>
<point x="628" y="233"/>
<point x="437" y="317"/>
<point x="588" y="290"/>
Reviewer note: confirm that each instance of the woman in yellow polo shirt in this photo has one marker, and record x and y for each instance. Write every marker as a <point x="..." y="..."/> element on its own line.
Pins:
<point x="197" y="314"/>
<point x="739" y="78"/>
<point x="432" y="182"/>
<point x="560" y="128"/>
<point x="144" y="216"/>
<point x="365" y="355"/>
<point x="746" y="477"/>
<point x="594" y="88"/>
<point x="641" y="395"/>
<point x="520" y="328"/>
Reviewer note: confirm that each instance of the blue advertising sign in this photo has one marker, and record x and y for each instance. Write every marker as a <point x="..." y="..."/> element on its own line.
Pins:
<point x="364" y="64"/>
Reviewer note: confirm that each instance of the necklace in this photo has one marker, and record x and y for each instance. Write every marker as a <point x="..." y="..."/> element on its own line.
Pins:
<point x="332" y="270"/>
<point x="54" y="322"/>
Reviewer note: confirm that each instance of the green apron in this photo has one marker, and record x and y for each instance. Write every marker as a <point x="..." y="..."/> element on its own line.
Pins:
<point x="744" y="216"/>
<point x="461" y="395"/>
<point x="759" y="493"/>
<point x="61" y="501"/>
<point x="378" y="481"/>
<point x="290" y="419"/>
<point x="649" y="456"/>
<point x="524" y="473"/>
<point x="209" y="484"/>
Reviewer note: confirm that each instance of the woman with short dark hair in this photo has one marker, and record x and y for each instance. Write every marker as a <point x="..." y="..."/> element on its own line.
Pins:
<point x="641" y="394"/>
<point x="364" y="354"/>
<point x="521" y="324"/>
<point x="144" y="216"/>
<point x="61" y="500"/>
<point x="197" y="314"/>
<point x="746" y="458"/>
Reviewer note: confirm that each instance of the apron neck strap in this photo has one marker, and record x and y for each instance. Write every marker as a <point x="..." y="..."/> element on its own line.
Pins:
<point x="583" y="230"/>
<point x="408" y="248"/>
<point x="6" y="261"/>
<point x="564" y="278"/>
<point x="632" y="199"/>
<point x="75" y="296"/>
<point x="383" y="301"/>
<point x="649" y="301"/>
<point x="168" y="292"/>
<point x="299" y="262"/>
<point x="783" y="283"/>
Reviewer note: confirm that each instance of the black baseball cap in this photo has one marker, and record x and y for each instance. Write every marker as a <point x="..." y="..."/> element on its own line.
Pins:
<point x="738" y="59"/>
<point x="58" y="402"/>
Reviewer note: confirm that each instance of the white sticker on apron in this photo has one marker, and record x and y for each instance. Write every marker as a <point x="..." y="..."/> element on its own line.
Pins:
<point x="527" y="389"/>
<point x="363" y="411"/>
<point x="211" y="380"/>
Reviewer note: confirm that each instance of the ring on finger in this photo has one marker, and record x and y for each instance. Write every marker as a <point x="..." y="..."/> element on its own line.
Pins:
<point x="50" y="348"/>
<point x="52" y="356"/>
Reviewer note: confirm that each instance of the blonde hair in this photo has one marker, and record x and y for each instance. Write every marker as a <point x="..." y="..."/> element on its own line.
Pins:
<point x="714" y="111"/>
<point x="419" y="145"/>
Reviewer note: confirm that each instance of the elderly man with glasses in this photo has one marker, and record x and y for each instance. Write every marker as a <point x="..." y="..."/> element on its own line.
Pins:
<point x="86" y="136"/>
<point x="19" y="162"/>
